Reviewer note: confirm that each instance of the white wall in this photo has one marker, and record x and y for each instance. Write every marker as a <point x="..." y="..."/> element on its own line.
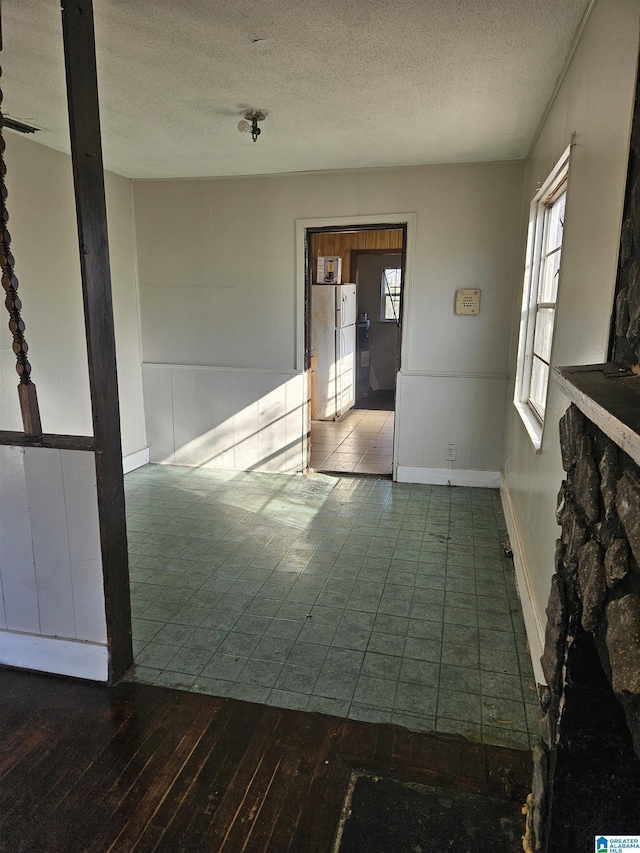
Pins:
<point x="217" y="270"/>
<point x="52" y="609"/>
<point x="45" y="246"/>
<point x="595" y="100"/>
<point x="464" y="409"/>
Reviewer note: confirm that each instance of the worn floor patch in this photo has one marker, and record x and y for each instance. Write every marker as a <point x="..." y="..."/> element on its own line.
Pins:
<point x="385" y="816"/>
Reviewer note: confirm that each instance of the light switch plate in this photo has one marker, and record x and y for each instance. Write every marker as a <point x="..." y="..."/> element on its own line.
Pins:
<point x="467" y="301"/>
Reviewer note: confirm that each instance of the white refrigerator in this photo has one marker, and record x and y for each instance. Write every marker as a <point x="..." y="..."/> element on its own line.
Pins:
<point x="334" y="311"/>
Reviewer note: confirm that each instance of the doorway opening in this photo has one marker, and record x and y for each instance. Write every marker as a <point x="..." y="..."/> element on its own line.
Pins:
<point x="354" y="290"/>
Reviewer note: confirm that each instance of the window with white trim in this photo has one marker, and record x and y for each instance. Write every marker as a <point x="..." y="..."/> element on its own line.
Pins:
<point x="539" y="297"/>
<point x="390" y="290"/>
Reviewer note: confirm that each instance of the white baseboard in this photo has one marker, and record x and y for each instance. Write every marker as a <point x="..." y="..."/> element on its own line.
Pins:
<point x="51" y="654"/>
<point x="448" y="477"/>
<point x="532" y="621"/>
<point x="135" y="460"/>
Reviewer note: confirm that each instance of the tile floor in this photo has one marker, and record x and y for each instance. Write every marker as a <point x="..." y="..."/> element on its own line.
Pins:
<point x="356" y="597"/>
<point x="360" y="442"/>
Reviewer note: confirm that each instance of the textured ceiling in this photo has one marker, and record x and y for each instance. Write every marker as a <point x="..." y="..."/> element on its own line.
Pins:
<point x="347" y="83"/>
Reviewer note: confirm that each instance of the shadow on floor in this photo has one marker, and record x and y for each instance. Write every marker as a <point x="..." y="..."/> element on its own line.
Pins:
<point x="396" y="817"/>
<point x="378" y="401"/>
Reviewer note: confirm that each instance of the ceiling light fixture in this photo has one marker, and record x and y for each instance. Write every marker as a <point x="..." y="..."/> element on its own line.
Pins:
<point x="250" y="122"/>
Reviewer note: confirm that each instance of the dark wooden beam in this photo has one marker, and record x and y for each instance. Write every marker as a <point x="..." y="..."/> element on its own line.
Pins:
<point x="51" y="440"/>
<point x="88" y="176"/>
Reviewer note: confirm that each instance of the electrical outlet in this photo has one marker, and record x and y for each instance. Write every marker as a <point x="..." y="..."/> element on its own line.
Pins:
<point x="450" y="452"/>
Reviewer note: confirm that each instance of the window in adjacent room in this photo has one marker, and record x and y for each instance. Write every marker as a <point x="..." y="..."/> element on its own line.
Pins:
<point x="540" y="293"/>
<point x="390" y="293"/>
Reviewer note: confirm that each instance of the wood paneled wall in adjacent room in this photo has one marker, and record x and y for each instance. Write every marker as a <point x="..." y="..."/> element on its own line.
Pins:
<point x="342" y="243"/>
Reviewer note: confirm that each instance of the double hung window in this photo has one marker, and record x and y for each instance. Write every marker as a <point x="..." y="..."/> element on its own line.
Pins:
<point x="540" y="294"/>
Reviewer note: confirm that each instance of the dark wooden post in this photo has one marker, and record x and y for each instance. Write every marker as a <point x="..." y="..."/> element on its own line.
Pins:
<point x="88" y="176"/>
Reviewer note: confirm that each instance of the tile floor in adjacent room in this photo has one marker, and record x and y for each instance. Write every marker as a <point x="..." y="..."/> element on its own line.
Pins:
<point x="351" y="596"/>
<point x="360" y="442"/>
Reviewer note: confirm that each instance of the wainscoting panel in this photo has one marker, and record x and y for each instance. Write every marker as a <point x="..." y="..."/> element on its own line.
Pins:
<point x="51" y="563"/>
<point x="436" y="409"/>
<point x="217" y="417"/>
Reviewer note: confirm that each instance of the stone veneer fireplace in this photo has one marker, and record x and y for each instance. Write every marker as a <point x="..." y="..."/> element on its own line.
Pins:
<point x="586" y="766"/>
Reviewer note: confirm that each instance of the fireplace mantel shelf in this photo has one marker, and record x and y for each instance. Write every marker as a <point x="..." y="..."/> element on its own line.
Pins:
<point x="607" y="396"/>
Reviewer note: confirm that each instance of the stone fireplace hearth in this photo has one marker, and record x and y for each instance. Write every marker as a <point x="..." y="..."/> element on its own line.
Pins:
<point x="587" y="770"/>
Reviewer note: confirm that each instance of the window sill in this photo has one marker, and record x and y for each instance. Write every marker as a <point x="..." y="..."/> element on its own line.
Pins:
<point x="531" y="423"/>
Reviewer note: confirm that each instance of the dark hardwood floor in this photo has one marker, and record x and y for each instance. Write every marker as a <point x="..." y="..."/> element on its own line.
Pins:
<point x="86" y="768"/>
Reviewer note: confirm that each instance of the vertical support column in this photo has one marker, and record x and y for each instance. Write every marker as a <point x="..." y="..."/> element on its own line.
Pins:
<point x="88" y="176"/>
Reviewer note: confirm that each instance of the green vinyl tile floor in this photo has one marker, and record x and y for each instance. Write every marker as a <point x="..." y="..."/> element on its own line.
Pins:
<point x="350" y="596"/>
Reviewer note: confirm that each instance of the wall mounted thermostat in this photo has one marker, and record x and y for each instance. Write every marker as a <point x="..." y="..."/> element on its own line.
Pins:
<point x="467" y="301"/>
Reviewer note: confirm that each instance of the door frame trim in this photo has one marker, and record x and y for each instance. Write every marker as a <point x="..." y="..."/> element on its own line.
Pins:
<point x="344" y="223"/>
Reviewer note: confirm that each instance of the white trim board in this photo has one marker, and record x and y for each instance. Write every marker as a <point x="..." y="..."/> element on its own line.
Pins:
<point x="455" y="374"/>
<point x="448" y="477"/>
<point x="135" y="460"/>
<point x="268" y="370"/>
<point x="532" y="621"/>
<point x="52" y="654"/>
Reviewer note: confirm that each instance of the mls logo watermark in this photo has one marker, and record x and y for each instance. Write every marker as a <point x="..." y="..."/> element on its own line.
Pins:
<point x="617" y="843"/>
